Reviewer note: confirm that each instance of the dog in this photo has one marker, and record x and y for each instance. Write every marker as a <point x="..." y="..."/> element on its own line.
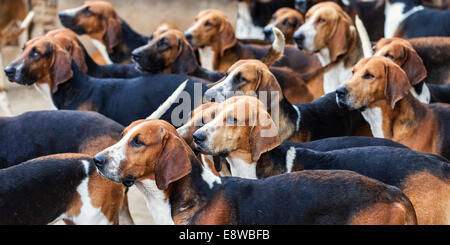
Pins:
<point x="329" y="32"/>
<point x="380" y="89"/>
<point x="409" y="19"/>
<point x="58" y="187"/>
<point x="100" y="21"/>
<point x="180" y="190"/>
<point x="287" y="20"/>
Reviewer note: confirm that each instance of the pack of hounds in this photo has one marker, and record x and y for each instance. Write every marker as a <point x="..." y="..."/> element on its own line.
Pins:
<point x="359" y="134"/>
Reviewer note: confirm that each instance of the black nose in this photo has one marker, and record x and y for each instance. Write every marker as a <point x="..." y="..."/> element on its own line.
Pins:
<point x="188" y="36"/>
<point x="341" y="92"/>
<point x="10" y="72"/>
<point x="199" y="137"/>
<point x="100" y="160"/>
<point x="65" y="19"/>
<point x="267" y="32"/>
<point x="136" y="55"/>
<point x="299" y="38"/>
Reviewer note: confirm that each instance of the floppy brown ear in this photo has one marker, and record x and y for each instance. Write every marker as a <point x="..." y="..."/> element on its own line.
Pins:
<point x="397" y="85"/>
<point x="264" y="136"/>
<point x="78" y="55"/>
<point x="61" y="69"/>
<point x="342" y="39"/>
<point x="185" y="63"/>
<point x="414" y="67"/>
<point x="227" y="37"/>
<point x="173" y="162"/>
<point x="111" y="37"/>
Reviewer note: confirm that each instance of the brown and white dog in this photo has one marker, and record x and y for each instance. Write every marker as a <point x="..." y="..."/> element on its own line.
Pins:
<point x="214" y="35"/>
<point x="288" y="21"/>
<point x="380" y="88"/>
<point x="330" y="33"/>
<point x="101" y="22"/>
<point x="403" y="54"/>
<point x="180" y="190"/>
<point x="58" y="187"/>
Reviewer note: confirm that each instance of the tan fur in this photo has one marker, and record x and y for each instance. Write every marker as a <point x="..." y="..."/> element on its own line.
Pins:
<point x="381" y="214"/>
<point x="288" y="21"/>
<point x="93" y="146"/>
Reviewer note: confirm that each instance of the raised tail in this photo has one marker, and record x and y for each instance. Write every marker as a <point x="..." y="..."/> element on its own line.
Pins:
<point x="276" y="52"/>
<point x="364" y="37"/>
<point x="168" y="103"/>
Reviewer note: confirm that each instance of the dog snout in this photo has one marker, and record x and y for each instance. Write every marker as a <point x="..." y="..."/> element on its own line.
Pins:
<point x="299" y="38"/>
<point x="10" y="72"/>
<point x="136" y="55"/>
<point x="66" y="19"/>
<point x="188" y="36"/>
<point x="268" y="32"/>
<point x="199" y="137"/>
<point x="100" y="160"/>
<point x="341" y="92"/>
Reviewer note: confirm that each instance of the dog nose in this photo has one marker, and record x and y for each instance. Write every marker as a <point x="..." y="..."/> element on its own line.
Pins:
<point x="341" y="92"/>
<point x="10" y="71"/>
<point x="299" y="38"/>
<point x="199" y="137"/>
<point x="136" y="55"/>
<point x="188" y="36"/>
<point x="267" y="31"/>
<point x="65" y="19"/>
<point x="99" y="160"/>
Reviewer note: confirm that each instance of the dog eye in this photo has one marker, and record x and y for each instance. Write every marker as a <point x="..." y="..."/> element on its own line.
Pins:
<point x="86" y="11"/>
<point x="389" y="56"/>
<point x="232" y="120"/>
<point x="136" y="142"/>
<point x="208" y="23"/>
<point x="320" y="20"/>
<point x="285" y="22"/>
<point x="368" y="76"/>
<point x="35" y="54"/>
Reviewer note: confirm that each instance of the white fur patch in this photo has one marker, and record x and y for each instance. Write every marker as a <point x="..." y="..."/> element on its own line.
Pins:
<point x="245" y="29"/>
<point x="424" y="96"/>
<point x="394" y="16"/>
<point x="335" y="77"/>
<point x="241" y="168"/>
<point x="221" y="90"/>
<point x="89" y="215"/>
<point x="290" y="157"/>
<point x="45" y="90"/>
<point x="297" y="122"/>
<point x="102" y="49"/>
<point x="4" y="104"/>
<point x="310" y="32"/>
<point x="207" y="175"/>
<point x="207" y="58"/>
<point x="157" y="203"/>
<point x="375" y="119"/>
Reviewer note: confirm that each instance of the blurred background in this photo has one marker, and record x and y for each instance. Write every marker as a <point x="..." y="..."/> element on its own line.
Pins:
<point x="142" y="15"/>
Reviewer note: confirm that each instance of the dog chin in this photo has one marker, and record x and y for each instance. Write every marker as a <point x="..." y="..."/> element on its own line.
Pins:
<point x="112" y="178"/>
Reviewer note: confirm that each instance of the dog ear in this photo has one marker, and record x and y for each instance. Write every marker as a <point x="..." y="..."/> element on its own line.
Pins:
<point x="397" y="84"/>
<point x="186" y="62"/>
<point x="78" y="55"/>
<point x="173" y="162"/>
<point x="227" y="37"/>
<point x="342" y="38"/>
<point x="111" y="37"/>
<point x="264" y="136"/>
<point x="413" y="66"/>
<point x="61" y="70"/>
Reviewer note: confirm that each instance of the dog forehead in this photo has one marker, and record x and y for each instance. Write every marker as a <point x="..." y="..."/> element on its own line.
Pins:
<point x="210" y="14"/>
<point x="247" y="66"/>
<point x="328" y="9"/>
<point x="99" y="6"/>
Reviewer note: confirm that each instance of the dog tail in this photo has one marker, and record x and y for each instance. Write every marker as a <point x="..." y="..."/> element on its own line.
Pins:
<point x="168" y="103"/>
<point x="364" y="37"/>
<point x="276" y="52"/>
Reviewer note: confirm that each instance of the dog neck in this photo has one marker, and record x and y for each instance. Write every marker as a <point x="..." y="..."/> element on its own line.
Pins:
<point x="206" y="74"/>
<point x="185" y="198"/>
<point x="289" y="119"/>
<point x="337" y="72"/>
<point x="129" y="40"/>
<point x="400" y="123"/>
<point x="395" y="13"/>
